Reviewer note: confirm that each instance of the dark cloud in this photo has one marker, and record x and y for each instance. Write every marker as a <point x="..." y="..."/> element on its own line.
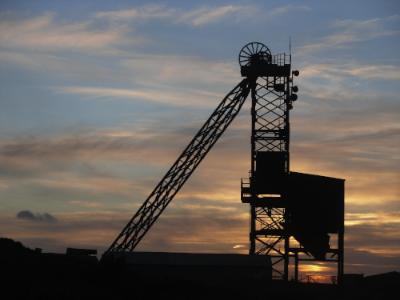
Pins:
<point x="379" y="236"/>
<point x="361" y="261"/>
<point x="38" y="217"/>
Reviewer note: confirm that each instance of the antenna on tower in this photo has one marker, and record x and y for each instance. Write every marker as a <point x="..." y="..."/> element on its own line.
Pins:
<point x="290" y="48"/>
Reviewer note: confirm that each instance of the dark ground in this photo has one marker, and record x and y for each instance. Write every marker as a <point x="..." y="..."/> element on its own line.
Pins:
<point x="29" y="274"/>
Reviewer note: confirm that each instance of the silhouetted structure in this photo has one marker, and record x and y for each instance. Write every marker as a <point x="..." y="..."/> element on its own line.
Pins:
<point x="272" y="95"/>
<point x="283" y="205"/>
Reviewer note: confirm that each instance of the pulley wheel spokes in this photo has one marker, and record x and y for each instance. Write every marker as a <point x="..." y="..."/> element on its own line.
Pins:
<point x="254" y="52"/>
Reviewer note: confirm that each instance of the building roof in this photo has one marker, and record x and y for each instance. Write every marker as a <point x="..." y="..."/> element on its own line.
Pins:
<point x="193" y="259"/>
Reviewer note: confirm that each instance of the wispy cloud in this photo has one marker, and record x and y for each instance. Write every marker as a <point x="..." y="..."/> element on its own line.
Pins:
<point x="195" y="17"/>
<point x="198" y="16"/>
<point x="372" y="218"/>
<point x="351" y="69"/>
<point x="207" y="15"/>
<point x="141" y="13"/>
<point x="352" y="31"/>
<point x="168" y="80"/>
<point x="182" y="71"/>
<point x="165" y="97"/>
<point x="286" y="9"/>
<point x="46" y="33"/>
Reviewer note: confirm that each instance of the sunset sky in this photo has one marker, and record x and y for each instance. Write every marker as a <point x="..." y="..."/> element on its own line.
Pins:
<point x="98" y="98"/>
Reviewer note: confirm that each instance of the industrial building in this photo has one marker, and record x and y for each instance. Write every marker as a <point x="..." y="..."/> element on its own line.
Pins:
<point x="197" y="267"/>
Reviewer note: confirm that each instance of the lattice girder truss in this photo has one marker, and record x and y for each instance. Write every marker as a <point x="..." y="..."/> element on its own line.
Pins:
<point x="181" y="170"/>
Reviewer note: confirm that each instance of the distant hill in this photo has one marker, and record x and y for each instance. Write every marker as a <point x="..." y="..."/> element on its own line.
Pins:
<point x="11" y="247"/>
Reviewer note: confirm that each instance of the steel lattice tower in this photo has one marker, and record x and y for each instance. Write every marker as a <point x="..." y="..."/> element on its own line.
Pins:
<point x="288" y="210"/>
<point x="272" y="98"/>
<point x="270" y="133"/>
